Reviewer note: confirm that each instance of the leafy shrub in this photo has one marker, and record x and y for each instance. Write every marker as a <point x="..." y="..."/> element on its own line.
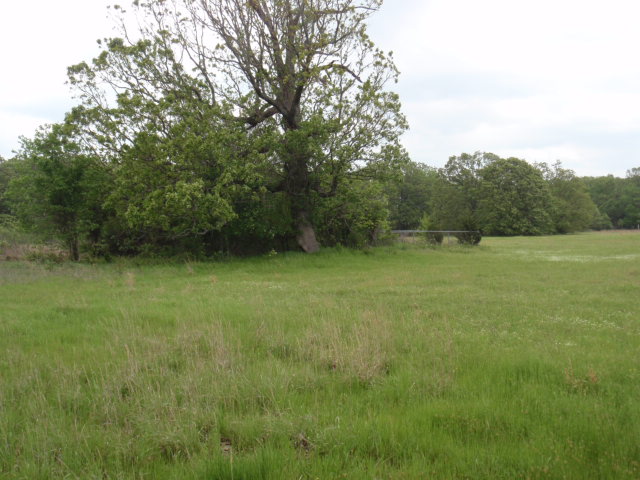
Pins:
<point x="601" y="221"/>
<point x="432" y="238"/>
<point x="469" y="238"/>
<point x="355" y="217"/>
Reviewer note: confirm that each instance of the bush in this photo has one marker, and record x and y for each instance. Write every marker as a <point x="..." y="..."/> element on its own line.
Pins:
<point x="354" y="217"/>
<point x="601" y="221"/>
<point x="432" y="238"/>
<point x="469" y="238"/>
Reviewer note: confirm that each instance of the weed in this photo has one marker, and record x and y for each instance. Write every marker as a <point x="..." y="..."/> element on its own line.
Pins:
<point x="588" y="383"/>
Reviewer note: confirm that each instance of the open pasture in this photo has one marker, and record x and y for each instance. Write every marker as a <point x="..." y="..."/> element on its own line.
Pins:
<point x="519" y="358"/>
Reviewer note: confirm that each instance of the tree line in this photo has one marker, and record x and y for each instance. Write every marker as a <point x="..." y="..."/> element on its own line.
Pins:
<point x="242" y="126"/>
<point x="498" y="196"/>
<point x="51" y="187"/>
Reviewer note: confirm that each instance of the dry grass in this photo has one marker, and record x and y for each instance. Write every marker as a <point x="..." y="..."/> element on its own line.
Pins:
<point x="362" y="350"/>
<point x="33" y="253"/>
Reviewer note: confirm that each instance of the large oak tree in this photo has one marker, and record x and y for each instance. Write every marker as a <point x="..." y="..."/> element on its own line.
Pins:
<point x="299" y="80"/>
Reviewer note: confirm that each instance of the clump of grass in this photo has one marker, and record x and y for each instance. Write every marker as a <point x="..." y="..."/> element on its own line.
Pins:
<point x="362" y="351"/>
<point x="130" y="280"/>
<point x="17" y="245"/>
<point x="588" y="383"/>
<point x="47" y="254"/>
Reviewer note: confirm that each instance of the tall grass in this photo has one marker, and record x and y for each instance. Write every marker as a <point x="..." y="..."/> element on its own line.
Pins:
<point x="515" y="359"/>
<point x="18" y="244"/>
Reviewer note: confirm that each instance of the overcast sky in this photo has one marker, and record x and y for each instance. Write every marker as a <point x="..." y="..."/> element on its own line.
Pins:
<point x="542" y="80"/>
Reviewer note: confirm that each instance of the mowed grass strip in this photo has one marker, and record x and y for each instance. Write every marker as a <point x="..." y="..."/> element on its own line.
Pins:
<point x="515" y="359"/>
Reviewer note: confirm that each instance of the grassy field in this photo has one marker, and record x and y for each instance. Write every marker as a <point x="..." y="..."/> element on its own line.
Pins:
<point x="516" y="359"/>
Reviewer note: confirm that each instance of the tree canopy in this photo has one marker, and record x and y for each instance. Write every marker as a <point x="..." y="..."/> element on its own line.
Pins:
<point x="573" y="209"/>
<point x="5" y="176"/>
<point x="617" y="199"/>
<point x="281" y="96"/>
<point x="482" y="191"/>
<point x="514" y="199"/>
<point x="58" y="188"/>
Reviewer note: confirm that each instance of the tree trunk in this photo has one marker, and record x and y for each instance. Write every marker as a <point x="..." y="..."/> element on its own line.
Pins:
<point x="306" y="234"/>
<point x="297" y="188"/>
<point x="74" y="250"/>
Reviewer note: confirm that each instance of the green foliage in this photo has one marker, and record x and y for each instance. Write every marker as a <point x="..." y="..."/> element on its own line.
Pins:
<point x="205" y="121"/>
<point x="263" y="223"/>
<point x="456" y="195"/>
<point x="170" y="188"/>
<point x="409" y="197"/>
<point x="427" y="224"/>
<point x="10" y="236"/>
<point x="470" y="237"/>
<point x="58" y="188"/>
<point x="356" y="216"/>
<point x="605" y="193"/>
<point x="46" y="254"/>
<point x="7" y="171"/>
<point x="514" y="199"/>
<point x="482" y="192"/>
<point x="573" y="209"/>
<point x="601" y="221"/>
<point x="631" y="200"/>
<point x="633" y="172"/>
<point x="617" y="198"/>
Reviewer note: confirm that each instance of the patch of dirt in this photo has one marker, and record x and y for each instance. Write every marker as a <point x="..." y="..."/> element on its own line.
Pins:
<point x="225" y="446"/>
<point x="302" y="443"/>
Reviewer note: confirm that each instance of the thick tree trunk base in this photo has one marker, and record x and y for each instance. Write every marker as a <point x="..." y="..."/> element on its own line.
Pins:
<point x="74" y="250"/>
<point x="307" y="236"/>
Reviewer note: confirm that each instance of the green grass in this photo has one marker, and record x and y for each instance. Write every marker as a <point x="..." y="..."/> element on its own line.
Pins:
<point x="515" y="359"/>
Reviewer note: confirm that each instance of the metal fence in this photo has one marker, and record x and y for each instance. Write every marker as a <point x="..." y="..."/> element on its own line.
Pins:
<point x="408" y="233"/>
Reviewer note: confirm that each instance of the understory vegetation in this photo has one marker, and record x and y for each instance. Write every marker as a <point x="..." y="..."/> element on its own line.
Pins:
<point x="513" y="359"/>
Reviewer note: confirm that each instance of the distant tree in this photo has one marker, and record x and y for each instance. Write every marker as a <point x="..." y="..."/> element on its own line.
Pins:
<point x="573" y="209"/>
<point x="514" y="199"/>
<point x="633" y="172"/>
<point x="6" y="173"/>
<point x="612" y="196"/>
<point x="57" y="187"/>
<point x="601" y="221"/>
<point x="631" y="199"/>
<point x="410" y="197"/>
<point x="457" y="193"/>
